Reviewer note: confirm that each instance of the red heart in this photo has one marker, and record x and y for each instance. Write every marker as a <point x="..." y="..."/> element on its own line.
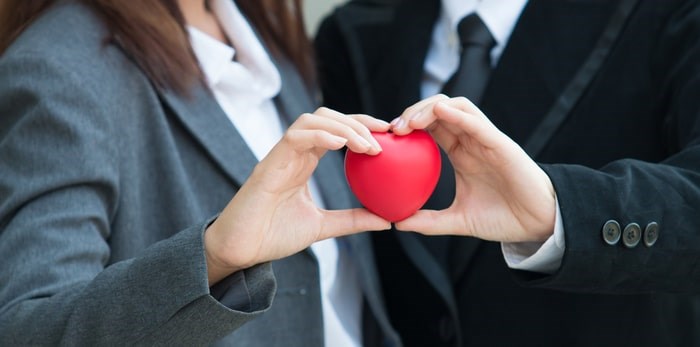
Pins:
<point x="397" y="182"/>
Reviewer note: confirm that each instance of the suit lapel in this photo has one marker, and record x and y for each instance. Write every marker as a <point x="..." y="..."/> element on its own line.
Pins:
<point x="580" y="82"/>
<point x="397" y="86"/>
<point x="209" y="125"/>
<point x="363" y="255"/>
<point x="539" y="69"/>
<point x="550" y="42"/>
<point x="292" y="101"/>
<point x="295" y="99"/>
<point x="397" y="81"/>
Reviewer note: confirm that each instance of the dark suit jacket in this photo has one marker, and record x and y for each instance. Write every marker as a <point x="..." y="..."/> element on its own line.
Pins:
<point x="609" y="91"/>
<point x="106" y="187"/>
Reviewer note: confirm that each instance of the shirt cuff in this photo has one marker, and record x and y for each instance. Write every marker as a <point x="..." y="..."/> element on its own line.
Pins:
<point x="537" y="256"/>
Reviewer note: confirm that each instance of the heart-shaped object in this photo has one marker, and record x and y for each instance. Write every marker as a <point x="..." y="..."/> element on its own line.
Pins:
<point x="397" y="182"/>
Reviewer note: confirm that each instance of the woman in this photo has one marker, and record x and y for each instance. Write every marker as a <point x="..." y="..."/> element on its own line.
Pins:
<point x="127" y="127"/>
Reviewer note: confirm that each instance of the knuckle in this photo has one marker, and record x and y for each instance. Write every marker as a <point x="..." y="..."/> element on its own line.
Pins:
<point x="290" y="136"/>
<point x="305" y="117"/>
<point x="441" y="96"/>
<point x="354" y="123"/>
<point x="461" y="99"/>
<point x="347" y="129"/>
<point x="322" y="109"/>
<point x="317" y="135"/>
<point x="362" y="120"/>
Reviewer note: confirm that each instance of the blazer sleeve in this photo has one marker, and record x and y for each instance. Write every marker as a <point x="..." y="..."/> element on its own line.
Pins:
<point x="633" y="191"/>
<point x="56" y="207"/>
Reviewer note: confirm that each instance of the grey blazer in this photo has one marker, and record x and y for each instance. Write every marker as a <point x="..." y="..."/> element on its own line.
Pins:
<point x="106" y="187"/>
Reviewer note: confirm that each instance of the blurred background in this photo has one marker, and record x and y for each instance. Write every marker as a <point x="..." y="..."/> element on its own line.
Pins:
<point x="315" y="10"/>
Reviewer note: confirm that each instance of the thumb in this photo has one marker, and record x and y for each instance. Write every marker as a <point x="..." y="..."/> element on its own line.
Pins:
<point x="345" y="222"/>
<point x="429" y="222"/>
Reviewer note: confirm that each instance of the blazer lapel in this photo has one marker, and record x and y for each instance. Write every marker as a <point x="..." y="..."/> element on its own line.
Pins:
<point x="293" y="100"/>
<point x="568" y="99"/>
<point x="209" y="125"/>
<point x="397" y="85"/>
<point x="397" y="81"/>
<point x="363" y="255"/>
<point x="295" y="96"/>
<point x="548" y="63"/>
<point x="550" y="42"/>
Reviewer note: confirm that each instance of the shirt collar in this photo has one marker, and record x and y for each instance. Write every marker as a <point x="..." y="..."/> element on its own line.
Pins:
<point x="212" y="54"/>
<point x="216" y="57"/>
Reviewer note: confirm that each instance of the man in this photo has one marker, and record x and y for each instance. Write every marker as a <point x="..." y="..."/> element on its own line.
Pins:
<point x="606" y="85"/>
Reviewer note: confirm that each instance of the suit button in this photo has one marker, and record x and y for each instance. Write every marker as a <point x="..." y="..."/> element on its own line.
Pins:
<point x="651" y="234"/>
<point x="611" y="232"/>
<point x="446" y="328"/>
<point x="631" y="235"/>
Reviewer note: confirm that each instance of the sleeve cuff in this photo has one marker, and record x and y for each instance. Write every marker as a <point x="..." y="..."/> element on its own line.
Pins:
<point x="537" y="256"/>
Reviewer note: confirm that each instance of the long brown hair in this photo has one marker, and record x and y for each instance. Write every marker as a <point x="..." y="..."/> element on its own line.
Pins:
<point x="153" y="33"/>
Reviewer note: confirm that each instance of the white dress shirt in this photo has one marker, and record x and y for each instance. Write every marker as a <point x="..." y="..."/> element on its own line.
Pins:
<point x="245" y="89"/>
<point x="442" y="61"/>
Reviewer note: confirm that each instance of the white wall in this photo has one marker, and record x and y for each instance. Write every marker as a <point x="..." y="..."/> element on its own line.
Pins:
<point x="315" y="10"/>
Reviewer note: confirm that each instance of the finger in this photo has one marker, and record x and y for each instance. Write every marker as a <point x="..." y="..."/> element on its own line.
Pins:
<point x="448" y="119"/>
<point x="443" y="136"/>
<point x="419" y="106"/>
<point x="355" y="141"/>
<point x="465" y="105"/>
<point x="351" y="122"/>
<point x="400" y="124"/>
<point x="345" y="222"/>
<point x="303" y="140"/>
<point x="430" y="222"/>
<point x="475" y="125"/>
<point x="427" y="116"/>
<point x="373" y="124"/>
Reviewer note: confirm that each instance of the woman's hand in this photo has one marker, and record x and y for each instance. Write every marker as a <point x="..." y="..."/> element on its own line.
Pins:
<point x="501" y="193"/>
<point x="272" y="215"/>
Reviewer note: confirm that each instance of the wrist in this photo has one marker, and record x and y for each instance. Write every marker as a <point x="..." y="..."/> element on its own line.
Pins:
<point x="549" y="213"/>
<point x="217" y="267"/>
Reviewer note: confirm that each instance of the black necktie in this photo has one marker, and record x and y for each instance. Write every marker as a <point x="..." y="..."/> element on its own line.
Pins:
<point x="475" y="60"/>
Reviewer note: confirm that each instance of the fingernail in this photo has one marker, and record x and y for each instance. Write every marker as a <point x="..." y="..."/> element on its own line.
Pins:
<point x="400" y="124"/>
<point x="393" y="122"/>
